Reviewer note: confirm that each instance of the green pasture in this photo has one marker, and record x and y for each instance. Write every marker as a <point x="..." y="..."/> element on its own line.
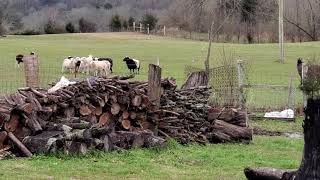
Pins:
<point x="225" y="161"/>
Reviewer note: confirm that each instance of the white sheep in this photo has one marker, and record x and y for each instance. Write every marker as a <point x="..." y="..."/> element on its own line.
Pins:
<point x="85" y="64"/>
<point x="102" y="68"/>
<point x="68" y="65"/>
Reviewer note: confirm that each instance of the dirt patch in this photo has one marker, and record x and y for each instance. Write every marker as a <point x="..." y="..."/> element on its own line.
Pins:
<point x="263" y="132"/>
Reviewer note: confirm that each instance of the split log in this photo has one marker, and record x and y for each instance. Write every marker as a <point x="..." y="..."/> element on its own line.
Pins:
<point x="33" y="123"/>
<point x="12" y="124"/>
<point x="24" y="108"/>
<point x="195" y="80"/>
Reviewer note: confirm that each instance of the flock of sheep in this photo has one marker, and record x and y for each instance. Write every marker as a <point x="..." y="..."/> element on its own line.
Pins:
<point x="91" y="65"/>
<point x="95" y="66"/>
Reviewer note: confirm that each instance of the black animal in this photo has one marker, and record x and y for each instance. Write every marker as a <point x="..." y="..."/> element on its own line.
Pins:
<point x="19" y="59"/>
<point x="299" y="68"/>
<point x="107" y="59"/>
<point x="132" y="64"/>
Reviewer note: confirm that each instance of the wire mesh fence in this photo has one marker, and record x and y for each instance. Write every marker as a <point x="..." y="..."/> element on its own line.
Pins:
<point x="233" y="85"/>
<point x="14" y="77"/>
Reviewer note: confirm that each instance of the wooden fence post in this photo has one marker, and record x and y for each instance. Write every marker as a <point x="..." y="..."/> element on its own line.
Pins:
<point x="164" y="30"/>
<point x="31" y="68"/>
<point x="148" y="29"/>
<point x="154" y="85"/>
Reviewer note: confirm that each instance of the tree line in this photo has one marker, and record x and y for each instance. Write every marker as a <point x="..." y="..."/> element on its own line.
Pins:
<point x="243" y="21"/>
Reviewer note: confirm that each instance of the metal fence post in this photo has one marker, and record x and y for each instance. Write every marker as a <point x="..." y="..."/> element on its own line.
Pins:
<point x="304" y="74"/>
<point x="240" y="83"/>
<point x="291" y="95"/>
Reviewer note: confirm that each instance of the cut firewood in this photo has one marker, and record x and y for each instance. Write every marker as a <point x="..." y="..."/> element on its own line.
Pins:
<point x="133" y="115"/>
<point x="92" y="113"/>
<point x="26" y="108"/>
<point x="126" y="124"/>
<point x="125" y="115"/>
<point x="69" y="112"/>
<point x="104" y="119"/>
<point x="98" y="111"/>
<point x="3" y="137"/>
<point x="21" y="146"/>
<point x="115" y="108"/>
<point x="85" y="110"/>
<point x="12" y="124"/>
<point x="136" y="101"/>
<point x="114" y="99"/>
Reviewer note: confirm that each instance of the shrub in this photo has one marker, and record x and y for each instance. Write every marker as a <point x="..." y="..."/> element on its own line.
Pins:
<point x="130" y="21"/>
<point x="28" y="32"/>
<point x="149" y="19"/>
<point x="70" y="28"/>
<point x="125" y="24"/>
<point x="86" y="26"/>
<point x="52" y="28"/>
<point x="115" y="23"/>
<point x="2" y="30"/>
<point x="108" y="6"/>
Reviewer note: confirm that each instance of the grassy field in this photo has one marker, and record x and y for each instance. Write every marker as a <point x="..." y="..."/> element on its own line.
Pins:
<point x="217" y="162"/>
<point x="174" y="55"/>
<point x="177" y="162"/>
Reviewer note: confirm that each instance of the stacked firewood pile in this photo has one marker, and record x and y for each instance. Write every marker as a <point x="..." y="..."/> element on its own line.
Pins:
<point x="191" y="119"/>
<point x="111" y="114"/>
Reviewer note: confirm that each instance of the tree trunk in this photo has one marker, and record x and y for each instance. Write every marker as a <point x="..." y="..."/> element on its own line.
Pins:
<point x="310" y="165"/>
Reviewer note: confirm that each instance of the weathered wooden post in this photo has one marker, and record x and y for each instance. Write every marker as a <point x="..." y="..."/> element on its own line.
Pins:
<point x="31" y="68"/>
<point x="154" y="85"/>
<point x="148" y="29"/>
<point x="164" y="30"/>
